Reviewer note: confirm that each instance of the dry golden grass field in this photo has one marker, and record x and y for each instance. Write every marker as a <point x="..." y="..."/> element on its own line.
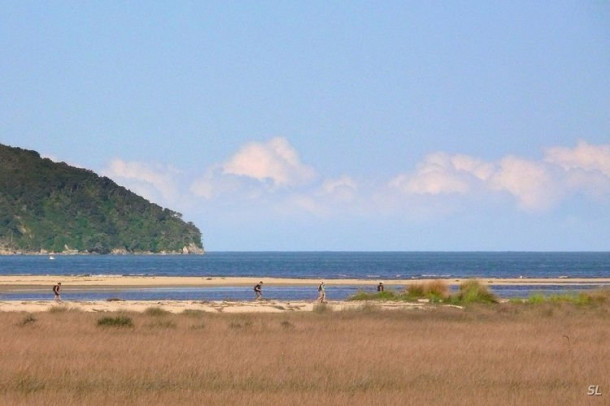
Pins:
<point x="504" y="354"/>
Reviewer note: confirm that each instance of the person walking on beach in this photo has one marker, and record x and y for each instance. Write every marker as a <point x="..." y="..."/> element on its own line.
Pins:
<point x="56" y="292"/>
<point x="380" y="287"/>
<point x="322" y="293"/>
<point x="258" y="290"/>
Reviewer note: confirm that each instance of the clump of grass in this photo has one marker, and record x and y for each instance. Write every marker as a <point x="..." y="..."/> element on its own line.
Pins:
<point x="435" y="291"/>
<point x="415" y="290"/>
<point x="321" y="308"/>
<point x="473" y="291"/>
<point x="536" y="298"/>
<point x="156" y="312"/>
<point x="368" y="308"/>
<point x="579" y="299"/>
<point x="600" y="296"/>
<point x="114" y="299"/>
<point x="385" y="295"/>
<point x="193" y="313"/>
<point x="58" y="309"/>
<point x="240" y="323"/>
<point x="29" y="319"/>
<point x="235" y="325"/>
<point x="573" y="298"/>
<point x="286" y="324"/>
<point x="162" y="324"/>
<point x="118" y="321"/>
<point x="198" y="326"/>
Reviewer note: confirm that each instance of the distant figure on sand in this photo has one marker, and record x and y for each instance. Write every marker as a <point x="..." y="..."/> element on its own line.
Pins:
<point x="322" y="293"/>
<point x="380" y="287"/>
<point x="56" y="292"/>
<point x="258" y="290"/>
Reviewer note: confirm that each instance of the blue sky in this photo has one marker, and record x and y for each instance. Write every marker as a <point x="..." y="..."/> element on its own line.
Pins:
<point x="317" y="125"/>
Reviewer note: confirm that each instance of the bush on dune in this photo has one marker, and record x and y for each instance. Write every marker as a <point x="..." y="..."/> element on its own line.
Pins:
<point x="473" y="291"/>
<point x="385" y="295"/>
<point x="435" y="291"/>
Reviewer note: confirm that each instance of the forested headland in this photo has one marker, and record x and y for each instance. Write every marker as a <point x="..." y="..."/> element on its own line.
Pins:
<point x="50" y="207"/>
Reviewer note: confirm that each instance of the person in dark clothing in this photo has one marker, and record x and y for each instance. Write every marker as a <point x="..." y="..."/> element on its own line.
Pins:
<point x="56" y="292"/>
<point x="380" y="287"/>
<point x="258" y="290"/>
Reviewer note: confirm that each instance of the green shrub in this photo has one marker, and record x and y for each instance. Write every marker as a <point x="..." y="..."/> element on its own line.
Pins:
<point x="385" y="295"/>
<point x="580" y="298"/>
<point x="473" y="291"/>
<point x="118" y="321"/>
<point x="416" y="290"/>
<point x="536" y="298"/>
<point x="436" y="289"/>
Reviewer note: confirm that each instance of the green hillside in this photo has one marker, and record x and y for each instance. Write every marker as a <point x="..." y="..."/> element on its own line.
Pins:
<point x="52" y="207"/>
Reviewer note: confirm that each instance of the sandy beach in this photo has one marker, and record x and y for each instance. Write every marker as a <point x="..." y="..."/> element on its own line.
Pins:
<point x="179" y="306"/>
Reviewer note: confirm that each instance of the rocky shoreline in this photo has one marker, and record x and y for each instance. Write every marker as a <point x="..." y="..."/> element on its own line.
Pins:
<point x="191" y="249"/>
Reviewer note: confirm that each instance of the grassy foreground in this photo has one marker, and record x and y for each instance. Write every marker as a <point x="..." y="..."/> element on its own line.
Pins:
<point x="505" y="354"/>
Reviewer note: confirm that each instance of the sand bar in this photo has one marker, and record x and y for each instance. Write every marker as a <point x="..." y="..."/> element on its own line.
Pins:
<point x="179" y="306"/>
<point x="21" y="282"/>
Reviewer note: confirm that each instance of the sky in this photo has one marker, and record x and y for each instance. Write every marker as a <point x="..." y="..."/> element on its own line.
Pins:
<point x="328" y="125"/>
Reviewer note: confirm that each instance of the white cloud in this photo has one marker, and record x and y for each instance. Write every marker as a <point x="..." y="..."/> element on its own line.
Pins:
<point x="269" y="176"/>
<point x="531" y="183"/>
<point x="535" y="185"/>
<point x="441" y="173"/>
<point x="592" y="158"/>
<point x="343" y="188"/>
<point x="276" y="161"/>
<point x="152" y="182"/>
<point x="586" y="168"/>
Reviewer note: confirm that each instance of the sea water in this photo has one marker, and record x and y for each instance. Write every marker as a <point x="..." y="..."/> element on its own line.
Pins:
<point x="375" y="266"/>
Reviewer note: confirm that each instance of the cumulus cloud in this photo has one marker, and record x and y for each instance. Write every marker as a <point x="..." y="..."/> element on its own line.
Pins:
<point x="586" y="168"/>
<point x="270" y="176"/>
<point x="441" y="173"/>
<point x="256" y="171"/>
<point x="275" y="161"/>
<point x="587" y="157"/>
<point x="531" y="183"/>
<point x="535" y="185"/>
<point x="153" y="182"/>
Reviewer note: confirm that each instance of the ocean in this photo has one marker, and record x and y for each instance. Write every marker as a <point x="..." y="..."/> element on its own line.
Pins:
<point x="376" y="266"/>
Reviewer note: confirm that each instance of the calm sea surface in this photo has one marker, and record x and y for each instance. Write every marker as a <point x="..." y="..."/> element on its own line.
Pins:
<point x="376" y="266"/>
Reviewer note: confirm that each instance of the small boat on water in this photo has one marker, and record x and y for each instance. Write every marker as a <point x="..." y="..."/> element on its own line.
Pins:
<point x="51" y="257"/>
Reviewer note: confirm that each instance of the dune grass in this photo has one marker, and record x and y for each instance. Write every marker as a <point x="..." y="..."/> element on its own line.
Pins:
<point x="503" y="354"/>
<point x="435" y="291"/>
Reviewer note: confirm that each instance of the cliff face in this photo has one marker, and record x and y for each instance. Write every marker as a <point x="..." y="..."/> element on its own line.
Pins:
<point x="53" y="207"/>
